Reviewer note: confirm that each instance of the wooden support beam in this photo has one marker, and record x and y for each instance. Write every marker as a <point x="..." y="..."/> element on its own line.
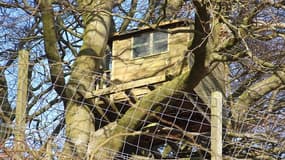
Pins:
<point x="21" y="104"/>
<point x="216" y="126"/>
<point x="132" y="97"/>
<point x="124" y="86"/>
<point x="110" y="101"/>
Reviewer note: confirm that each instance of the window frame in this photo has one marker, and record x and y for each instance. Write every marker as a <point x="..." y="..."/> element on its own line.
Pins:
<point x="151" y="45"/>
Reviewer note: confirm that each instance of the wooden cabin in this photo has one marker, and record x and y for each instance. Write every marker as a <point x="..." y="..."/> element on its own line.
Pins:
<point x="147" y="53"/>
<point x="150" y="56"/>
<point x="145" y="57"/>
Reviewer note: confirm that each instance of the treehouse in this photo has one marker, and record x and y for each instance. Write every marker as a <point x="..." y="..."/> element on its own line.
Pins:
<point x="143" y="60"/>
<point x="148" y="56"/>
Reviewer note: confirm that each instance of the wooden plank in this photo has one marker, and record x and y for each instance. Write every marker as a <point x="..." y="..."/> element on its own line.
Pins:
<point x="22" y="99"/>
<point x="134" y="72"/>
<point x="138" y="92"/>
<point x="216" y="125"/>
<point x="124" y="86"/>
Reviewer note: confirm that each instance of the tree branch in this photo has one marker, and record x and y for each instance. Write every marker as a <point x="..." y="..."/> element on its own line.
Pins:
<point x="253" y="93"/>
<point x="51" y="50"/>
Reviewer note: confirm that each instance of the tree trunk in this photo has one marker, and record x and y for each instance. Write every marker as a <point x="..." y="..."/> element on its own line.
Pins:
<point x="79" y="118"/>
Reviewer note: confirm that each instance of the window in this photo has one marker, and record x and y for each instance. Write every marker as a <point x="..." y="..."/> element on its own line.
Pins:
<point x="149" y="43"/>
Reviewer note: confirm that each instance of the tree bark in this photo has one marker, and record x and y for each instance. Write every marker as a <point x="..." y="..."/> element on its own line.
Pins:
<point x="6" y="110"/>
<point x="253" y="93"/>
<point x="79" y="118"/>
<point x="50" y="42"/>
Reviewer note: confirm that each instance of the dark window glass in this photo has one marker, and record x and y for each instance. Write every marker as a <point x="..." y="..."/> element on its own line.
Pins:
<point x="160" y="36"/>
<point x="141" y="45"/>
<point x="141" y="39"/>
<point x="140" y="51"/>
<point x="159" y="47"/>
<point x="160" y="42"/>
<point x="149" y="43"/>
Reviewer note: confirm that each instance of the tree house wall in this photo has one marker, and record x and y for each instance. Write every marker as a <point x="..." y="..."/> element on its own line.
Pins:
<point x="126" y="69"/>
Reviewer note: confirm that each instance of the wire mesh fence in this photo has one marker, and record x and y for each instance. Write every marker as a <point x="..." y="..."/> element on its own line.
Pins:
<point x="175" y="125"/>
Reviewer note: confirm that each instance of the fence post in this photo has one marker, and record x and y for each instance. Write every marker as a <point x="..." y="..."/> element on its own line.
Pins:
<point x="22" y="90"/>
<point x="216" y="125"/>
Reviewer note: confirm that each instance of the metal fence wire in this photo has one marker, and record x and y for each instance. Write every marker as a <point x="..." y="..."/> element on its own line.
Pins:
<point x="179" y="127"/>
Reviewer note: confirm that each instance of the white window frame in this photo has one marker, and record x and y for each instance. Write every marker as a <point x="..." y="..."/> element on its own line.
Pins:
<point x="151" y="45"/>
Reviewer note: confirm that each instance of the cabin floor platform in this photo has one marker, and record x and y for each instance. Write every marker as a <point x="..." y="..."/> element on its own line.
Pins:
<point x="118" y="92"/>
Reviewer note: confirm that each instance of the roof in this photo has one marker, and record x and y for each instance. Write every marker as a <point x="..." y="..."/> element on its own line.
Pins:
<point x="152" y="27"/>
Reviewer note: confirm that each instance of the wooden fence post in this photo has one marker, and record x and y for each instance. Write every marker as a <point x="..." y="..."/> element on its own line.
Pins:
<point x="22" y="91"/>
<point x="216" y="125"/>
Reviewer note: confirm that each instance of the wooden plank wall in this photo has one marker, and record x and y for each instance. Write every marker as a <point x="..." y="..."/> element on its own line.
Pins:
<point x="126" y="69"/>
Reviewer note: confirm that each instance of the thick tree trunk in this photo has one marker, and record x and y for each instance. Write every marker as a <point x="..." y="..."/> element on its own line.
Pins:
<point x="79" y="119"/>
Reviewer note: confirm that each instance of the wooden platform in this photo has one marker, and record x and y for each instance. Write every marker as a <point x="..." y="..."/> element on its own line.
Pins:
<point x="138" y="87"/>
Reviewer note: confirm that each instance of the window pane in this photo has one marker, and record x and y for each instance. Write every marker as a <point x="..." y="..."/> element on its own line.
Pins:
<point x="160" y="42"/>
<point x="140" y="51"/>
<point x="141" y="39"/>
<point x="159" y="47"/>
<point x="141" y="45"/>
<point x="160" y="36"/>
